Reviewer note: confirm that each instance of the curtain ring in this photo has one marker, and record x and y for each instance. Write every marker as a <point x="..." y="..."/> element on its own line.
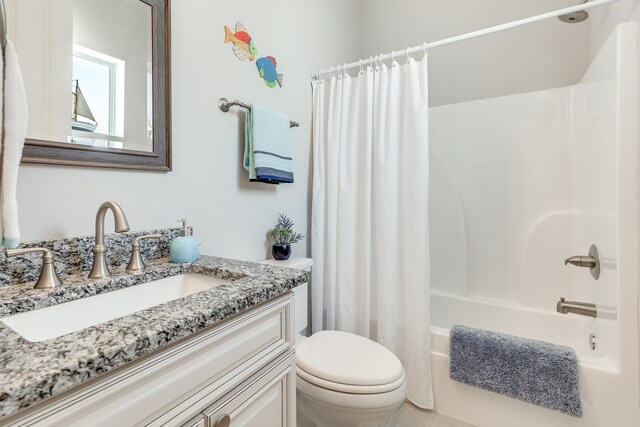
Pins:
<point x="407" y="53"/>
<point x="424" y="48"/>
<point x="344" y="69"/>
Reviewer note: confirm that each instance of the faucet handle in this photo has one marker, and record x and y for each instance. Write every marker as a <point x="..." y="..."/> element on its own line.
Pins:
<point x="137" y="240"/>
<point x="48" y="276"/>
<point x="136" y="263"/>
<point x="591" y="261"/>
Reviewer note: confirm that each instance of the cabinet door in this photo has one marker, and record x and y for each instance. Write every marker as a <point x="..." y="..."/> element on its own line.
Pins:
<point x="269" y="401"/>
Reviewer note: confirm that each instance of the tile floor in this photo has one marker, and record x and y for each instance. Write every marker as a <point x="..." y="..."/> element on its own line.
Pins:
<point x="411" y="416"/>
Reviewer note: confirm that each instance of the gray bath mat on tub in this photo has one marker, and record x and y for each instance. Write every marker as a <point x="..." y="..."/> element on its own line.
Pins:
<point x="534" y="371"/>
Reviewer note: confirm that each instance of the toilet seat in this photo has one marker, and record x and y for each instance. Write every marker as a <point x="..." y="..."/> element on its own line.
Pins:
<point x="348" y="363"/>
<point x="332" y="400"/>
<point x="349" y="388"/>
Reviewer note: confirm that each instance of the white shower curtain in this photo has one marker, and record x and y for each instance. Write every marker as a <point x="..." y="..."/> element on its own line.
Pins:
<point x="370" y="237"/>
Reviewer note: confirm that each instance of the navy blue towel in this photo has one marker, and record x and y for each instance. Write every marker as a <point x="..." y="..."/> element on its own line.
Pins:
<point x="534" y="371"/>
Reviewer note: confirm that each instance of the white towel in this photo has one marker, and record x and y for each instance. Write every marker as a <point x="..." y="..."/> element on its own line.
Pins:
<point x="14" y="131"/>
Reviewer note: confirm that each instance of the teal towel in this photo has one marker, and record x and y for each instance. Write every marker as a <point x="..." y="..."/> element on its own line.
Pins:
<point x="267" y="149"/>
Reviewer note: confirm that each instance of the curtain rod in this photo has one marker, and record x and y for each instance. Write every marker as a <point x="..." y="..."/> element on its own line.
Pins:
<point x="490" y="30"/>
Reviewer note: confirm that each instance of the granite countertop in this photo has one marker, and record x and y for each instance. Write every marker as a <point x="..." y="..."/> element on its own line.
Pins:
<point x="33" y="371"/>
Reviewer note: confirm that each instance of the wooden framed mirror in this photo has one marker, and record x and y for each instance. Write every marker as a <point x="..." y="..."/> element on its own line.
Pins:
<point x="97" y="77"/>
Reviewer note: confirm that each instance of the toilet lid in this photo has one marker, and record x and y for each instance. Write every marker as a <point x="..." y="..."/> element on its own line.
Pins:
<point x="334" y="359"/>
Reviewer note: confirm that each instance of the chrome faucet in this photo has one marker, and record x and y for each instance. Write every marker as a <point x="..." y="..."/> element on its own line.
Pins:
<point x="99" y="269"/>
<point x="582" y="308"/>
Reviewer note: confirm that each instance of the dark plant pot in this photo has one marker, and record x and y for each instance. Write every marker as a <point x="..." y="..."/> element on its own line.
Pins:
<point x="281" y="252"/>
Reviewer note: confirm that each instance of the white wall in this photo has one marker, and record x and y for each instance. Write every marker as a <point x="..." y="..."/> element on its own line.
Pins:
<point x="539" y="56"/>
<point x="207" y="184"/>
<point x="604" y="19"/>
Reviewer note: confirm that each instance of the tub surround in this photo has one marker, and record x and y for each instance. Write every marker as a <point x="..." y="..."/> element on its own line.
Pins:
<point x="33" y="371"/>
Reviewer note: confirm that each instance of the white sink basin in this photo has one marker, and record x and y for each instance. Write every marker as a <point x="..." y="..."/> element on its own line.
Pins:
<point x="61" y="319"/>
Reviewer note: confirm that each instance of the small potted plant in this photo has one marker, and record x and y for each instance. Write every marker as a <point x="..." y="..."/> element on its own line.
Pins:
<point x="282" y="236"/>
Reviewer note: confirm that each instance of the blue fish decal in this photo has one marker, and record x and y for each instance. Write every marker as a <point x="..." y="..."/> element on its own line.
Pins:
<point x="267" y="68"/>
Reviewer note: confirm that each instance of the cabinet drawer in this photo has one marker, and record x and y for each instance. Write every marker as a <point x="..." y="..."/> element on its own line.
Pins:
<point x="198" y="421"/>
<point x="177" y="376"/>
<point x="267" y="401"/>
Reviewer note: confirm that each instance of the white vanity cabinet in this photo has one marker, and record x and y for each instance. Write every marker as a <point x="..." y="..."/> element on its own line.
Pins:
<point x="241" y="370"/>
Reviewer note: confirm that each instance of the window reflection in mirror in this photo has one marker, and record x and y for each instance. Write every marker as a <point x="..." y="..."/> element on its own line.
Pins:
<point x="97" y="116"/>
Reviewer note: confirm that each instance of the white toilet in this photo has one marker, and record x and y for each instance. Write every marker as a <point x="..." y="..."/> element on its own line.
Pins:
<point x="346" y="380"/>
<point x="343" y="379"/>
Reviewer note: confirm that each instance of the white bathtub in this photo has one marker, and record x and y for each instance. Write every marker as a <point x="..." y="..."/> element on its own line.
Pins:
<point x="607" y="396"/>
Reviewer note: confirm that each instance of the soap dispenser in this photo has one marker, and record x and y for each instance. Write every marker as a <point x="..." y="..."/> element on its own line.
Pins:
<point x="184" y="248"/>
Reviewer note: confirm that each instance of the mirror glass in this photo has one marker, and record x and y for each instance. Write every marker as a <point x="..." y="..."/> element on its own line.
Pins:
<point x="98" y="81"/>
<point x="112" y="75"/>
<point x="91" y="82"/>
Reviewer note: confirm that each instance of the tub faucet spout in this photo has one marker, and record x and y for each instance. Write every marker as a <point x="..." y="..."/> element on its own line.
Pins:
<point x="582" y="308"/>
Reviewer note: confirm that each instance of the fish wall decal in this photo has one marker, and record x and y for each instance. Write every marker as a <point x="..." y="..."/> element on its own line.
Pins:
<point x="243" y="45"/>
<point x="267" y="69"/>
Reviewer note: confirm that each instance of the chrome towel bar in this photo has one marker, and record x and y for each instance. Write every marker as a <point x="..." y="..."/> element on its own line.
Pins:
<point x="224" y="104"/>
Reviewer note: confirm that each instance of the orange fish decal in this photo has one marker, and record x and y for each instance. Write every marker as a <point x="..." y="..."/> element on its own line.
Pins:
<point x="243" y="45"/>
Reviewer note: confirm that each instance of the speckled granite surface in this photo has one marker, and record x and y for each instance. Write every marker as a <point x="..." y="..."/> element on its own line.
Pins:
<point x="73" y="255"/>
<point x="31" y="372"/>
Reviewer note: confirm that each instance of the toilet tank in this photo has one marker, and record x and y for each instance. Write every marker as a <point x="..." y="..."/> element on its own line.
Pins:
<point x="302" y="297"/>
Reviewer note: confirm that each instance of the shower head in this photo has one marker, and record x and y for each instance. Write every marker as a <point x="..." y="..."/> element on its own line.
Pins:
<point x="575" y="17"/>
